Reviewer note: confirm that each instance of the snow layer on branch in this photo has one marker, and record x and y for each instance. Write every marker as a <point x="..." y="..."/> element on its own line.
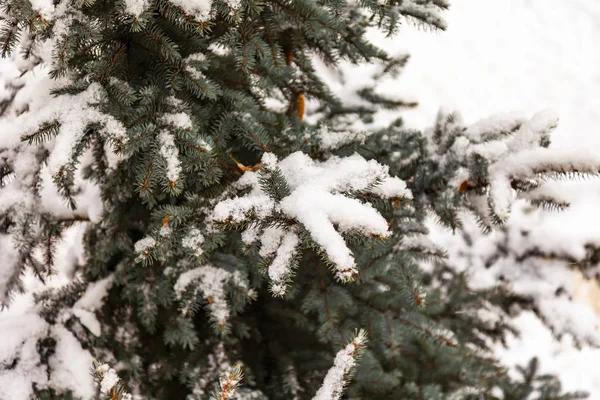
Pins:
<point x="532" y="253"/>
<point x="210" y="282"/>
<point x="178" y="120"/>
<point x="257" y="203"/>
<point x="109" y="378"/>
<point x="91" y="301"/>
<point x="70" y="364"/>
<point x="279" y="270"/>
<point x="198" y="8"/>
<point x="8" y="261"/>
<point x="193" y="241"/>
<point x="511" y="150"/>
<point x="336" y="379"/>
<point x="427" y="11"/>
<point x="523" y="164"/>
<point x="44" y="7"/>
<point x="331" y="140"/>
<point x="74" y="113"/>
<point x="281" y="247"/>
<point x="144" y="244"/>
<point x="136" y="7"/>
<point x="499" y="124"/>
<point x="19" y="348"/>
<point x="318" y="201"/>
<point x="170" y="153"/>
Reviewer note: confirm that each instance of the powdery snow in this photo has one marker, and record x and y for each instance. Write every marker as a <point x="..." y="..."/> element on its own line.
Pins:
<point x="198" y="8"/>
<point x="210" y="282"/>
<point x="144" y="244"/>
<point x="44" y="7"/>
<point x="193" y="241"/>
<point x="91" y="301"/>
<point x="170" y="153"/>
<point x="426" y="11"/>
<point x="70" y="364"/>
<point x="281" y="247"/>
<point x="74" y="113"/>
<point x="336" y="379"/>
<point x="178" y="120"/>
<point x="479" y="79"/>
<point x="109" y="378"/>
<point x="318" y="202"/>
<point x="19" y="346"/>
<point x="136" y="7"/>
<point x="331" y="140"/>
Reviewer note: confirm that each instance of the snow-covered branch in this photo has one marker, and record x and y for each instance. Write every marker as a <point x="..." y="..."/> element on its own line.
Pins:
<point x="314" y="196"/>
<point x="343" y="367"/>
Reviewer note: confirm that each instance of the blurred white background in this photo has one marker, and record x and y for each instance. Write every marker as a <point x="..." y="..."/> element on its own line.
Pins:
<point x="518" y="55"/>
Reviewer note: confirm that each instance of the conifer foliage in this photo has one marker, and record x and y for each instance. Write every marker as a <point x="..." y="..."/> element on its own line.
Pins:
<point x="236" y="234"/>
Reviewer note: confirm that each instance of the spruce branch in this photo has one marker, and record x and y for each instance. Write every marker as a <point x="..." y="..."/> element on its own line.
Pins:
<point x="109" y="383"/>
<point x="229" y="383"/>
<point x="344" y="365"/>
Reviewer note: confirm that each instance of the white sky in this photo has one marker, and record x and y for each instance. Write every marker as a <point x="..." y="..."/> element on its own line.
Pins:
<point x="509" y="55"/>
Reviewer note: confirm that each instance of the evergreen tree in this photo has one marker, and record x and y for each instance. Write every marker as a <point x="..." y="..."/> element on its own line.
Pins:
<point x="235" y="235"/>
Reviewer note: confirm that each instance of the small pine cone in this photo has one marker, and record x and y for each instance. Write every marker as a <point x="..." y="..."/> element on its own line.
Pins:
<point x="300" y="106"/>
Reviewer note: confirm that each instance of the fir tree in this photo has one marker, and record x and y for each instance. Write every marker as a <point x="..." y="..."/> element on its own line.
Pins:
<point x="236" y="235"/>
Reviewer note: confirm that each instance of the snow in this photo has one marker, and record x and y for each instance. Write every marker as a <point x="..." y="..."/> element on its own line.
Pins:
<point x="546" y="57"/>
<point x="165" y="231"/>
<point x="44" y="7"/>
<point x="89" y="320"/>
<point x="21" y="328"/>
<point x="317" y="201"/>
<point x="109" y="378"/>
<point x="8" y="258"/>
<point x="503" y="255"/>
<point x="210" y="281"/>
<point x="336" y="378"/>
<point x="21" y="345"/>
<point x="576" y="368"/>
<point x="498" y="124"/>
<point x="74" y="113"/>
<point x="195" y="57"/>
<point x="70" y="364"/>
<point x="170" y="153"/>
<point x="269" y="160"/>
<point x="90" y="302"/>
<point x="270" y="240"/>
<point x="229" y="382"/>
<point x="136" y="7"/>
<point x="144" y="245"/>
<point x="233" y="3"/>
<point x="207" y="372"/>
<point x="198" y="8"/>
<point x="179" y="120"/>
<point x="193" y="241"/>
<point x="94" y="294"/>
<point x="284" y="245"/>
<point x="428" y="12"/>
<point x="331" y="140"/>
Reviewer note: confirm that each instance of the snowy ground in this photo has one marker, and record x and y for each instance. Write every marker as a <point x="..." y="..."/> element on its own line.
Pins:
<point x="524" y="55"/>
